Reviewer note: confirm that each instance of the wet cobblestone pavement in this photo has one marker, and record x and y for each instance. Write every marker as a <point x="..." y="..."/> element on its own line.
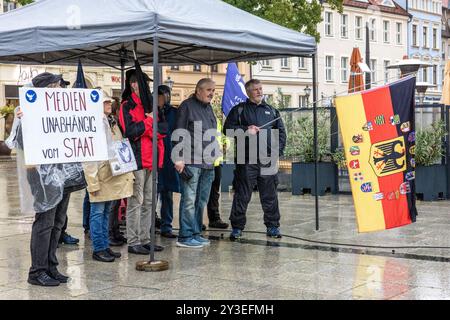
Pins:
<point x="256" y="268"/>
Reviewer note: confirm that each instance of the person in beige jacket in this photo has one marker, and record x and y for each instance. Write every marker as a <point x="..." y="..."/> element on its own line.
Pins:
<point x="103" y="188"/>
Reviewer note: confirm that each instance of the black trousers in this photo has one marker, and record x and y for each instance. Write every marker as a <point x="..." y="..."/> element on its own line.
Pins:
<point x="45" y="234"/>
<point x="245" y="178"/>
<point x="214" y="196"/>
<point x="114" y="226"/>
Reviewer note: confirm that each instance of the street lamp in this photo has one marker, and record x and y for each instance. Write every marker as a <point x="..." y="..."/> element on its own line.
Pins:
<point x="169" y="82"/>
<point x="307" y="94"/>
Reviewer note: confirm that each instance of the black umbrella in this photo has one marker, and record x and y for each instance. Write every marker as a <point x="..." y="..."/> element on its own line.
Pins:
<point x="80" y="83"/>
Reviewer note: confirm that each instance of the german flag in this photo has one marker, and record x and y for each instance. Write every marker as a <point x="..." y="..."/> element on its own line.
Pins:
<point x="378" y="132"/>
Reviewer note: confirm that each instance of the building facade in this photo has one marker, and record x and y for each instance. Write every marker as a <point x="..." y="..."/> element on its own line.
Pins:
<point x="425" y="42"/>
<point x="284" y="80"/>
<point x="445" y="32"/>
<point x="341" y="32"/>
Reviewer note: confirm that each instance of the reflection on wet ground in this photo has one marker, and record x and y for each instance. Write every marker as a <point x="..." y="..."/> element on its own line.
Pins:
<point x="254" y="268"/>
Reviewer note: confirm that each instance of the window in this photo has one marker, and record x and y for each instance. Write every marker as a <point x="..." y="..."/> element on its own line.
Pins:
<point x="329" y="24"/>
<point x="285" y="63"/>
<point x="399" y="33"/>
<point x="358" y="28"/>
<point x="286" y="99"/>
<point x="344" y="26"/>
<point x="386" y="64"/>
<point x="302" y="102"/>
<point x="425" y="75"/>
<point x="215" y="68"/>
<point x="301" y="63"/>
<point x="269" y="98"/>
<point x="176" y="68"/>
<point x="197" y="68"/>
<point x="435" y="38"/>
<point x="344" y="69"/>
<point x="435" y="72"/>
<point x="266" y="64"/>
<point x="425" y="37"/>
<point x="386" y="36"/>
<point x="8" y="6"/>
<point x="414" y="35"/>
<point x="372" y="29"/>
<point x="329" y="68"/>
<point x="373" y="74"/>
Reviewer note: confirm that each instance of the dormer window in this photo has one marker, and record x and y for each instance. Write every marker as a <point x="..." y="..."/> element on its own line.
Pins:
<point x="388" y="3"/>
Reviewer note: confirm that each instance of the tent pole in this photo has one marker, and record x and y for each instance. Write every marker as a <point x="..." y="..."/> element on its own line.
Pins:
<point x="154" y="265"/>
<point x="156" y="79"/>
<point x="122" y="75"/>
<point x="316" y="147"/>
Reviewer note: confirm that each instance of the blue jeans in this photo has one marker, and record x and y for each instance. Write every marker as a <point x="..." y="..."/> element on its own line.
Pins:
<point x="166" y="211"/>
<point x="86" y="211"/>
<point x="194" y="197"/>
<point x="99" y="222"/>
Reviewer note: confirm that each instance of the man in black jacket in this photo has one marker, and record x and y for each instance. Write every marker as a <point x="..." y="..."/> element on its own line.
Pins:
<point x="262" y="124"/>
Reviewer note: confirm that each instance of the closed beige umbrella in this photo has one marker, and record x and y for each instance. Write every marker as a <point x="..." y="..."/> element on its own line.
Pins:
<point x="446" y="88"/>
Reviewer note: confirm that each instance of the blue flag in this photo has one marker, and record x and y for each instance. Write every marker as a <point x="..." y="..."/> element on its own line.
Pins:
<point x="81" y="81"/>
<point x="234" y="91"/>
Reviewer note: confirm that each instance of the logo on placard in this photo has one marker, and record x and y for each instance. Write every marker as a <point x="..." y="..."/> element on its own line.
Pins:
<point x="379" y="120"/>
<point x="388" y="157"/>
<point x="378" y="196"/>
<point x="354" y="164"/>
<point x="412" y="137"/>
<point x="31" y="96"/>
<point x="358" y="177"/>
<point x="405" y="127"/>
<point x="355" y="151"/>
<point x="405" y="188"/>
<point x="395" y="120"/>
<point x="366" y="187"/>
<point x="95" y="96"/>
<point x="125" y="153"/>
<point x="368" y="126"/>
<point x="358" y="138"/>
<point x="410" y="176"/>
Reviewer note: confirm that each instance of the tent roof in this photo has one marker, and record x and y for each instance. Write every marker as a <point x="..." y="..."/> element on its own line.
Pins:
<point x="102" y="31"/>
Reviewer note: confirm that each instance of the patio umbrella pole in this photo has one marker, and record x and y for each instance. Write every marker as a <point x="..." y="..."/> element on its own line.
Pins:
<point x="316" y="147"/>
<point x="154" y="265"/>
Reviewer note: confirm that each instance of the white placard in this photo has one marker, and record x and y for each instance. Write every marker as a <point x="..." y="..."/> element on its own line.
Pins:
<point x="364" y="67"/>
<point x="62" y="125"/>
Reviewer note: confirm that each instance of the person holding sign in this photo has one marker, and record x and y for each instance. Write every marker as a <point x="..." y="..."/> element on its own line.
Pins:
<point x="137" y="125"/>
<point x="105" y="187"/>
<point x="48" y="187"/>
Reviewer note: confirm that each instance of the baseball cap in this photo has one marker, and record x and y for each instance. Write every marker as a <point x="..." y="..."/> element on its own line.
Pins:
<point x="44" y="79"/>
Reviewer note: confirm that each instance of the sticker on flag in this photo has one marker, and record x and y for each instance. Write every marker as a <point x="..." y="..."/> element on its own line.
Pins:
<point x="387" y="199"/>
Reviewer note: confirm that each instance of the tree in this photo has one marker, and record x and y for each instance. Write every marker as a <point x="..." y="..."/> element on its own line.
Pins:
<point x="299" y="15"/>
<point x="21" y="2"/>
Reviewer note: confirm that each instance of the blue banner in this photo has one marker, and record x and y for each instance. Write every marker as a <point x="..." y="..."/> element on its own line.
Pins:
<point x="234" y="91"/>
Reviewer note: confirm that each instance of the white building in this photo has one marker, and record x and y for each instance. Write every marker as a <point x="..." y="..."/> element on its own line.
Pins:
<point x="341" y="32"/>
<point x="288" y="77"/>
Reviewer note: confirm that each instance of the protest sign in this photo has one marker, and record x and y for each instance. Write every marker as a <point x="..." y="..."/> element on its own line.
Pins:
<point x="62" y="125"/>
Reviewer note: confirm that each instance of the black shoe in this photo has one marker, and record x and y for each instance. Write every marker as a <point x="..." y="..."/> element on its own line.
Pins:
<point x="169" y="235"/>
<point x="158" y="222"/>
<point x="44" y="280"/>
<point x="203" y="227"/>
<point x="120" y="237"/>
<point x="218" y="224"/>
<point x="103" y="256"/>
<point x="58" y="276"/>
<point x="157" y="248"/>
<point x="114" y="254"/>
<point x="138" y="249"/>
<point x="115" y="243"/>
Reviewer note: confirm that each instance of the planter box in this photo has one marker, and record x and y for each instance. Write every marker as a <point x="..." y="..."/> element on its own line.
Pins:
<point x="303" y="178"/>
<point x="431" y="182"/>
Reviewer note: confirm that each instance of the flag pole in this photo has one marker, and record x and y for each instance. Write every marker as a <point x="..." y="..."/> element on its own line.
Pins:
<point x="316" y="146"/>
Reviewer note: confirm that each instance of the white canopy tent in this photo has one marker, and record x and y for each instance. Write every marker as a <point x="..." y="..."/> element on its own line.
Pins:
<point x="162" y="32"/>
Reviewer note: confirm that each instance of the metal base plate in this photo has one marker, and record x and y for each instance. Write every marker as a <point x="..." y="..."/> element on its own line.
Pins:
<point x="152" y="266"/>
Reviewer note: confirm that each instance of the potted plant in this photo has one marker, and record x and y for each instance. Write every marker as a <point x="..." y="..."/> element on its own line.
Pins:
<point x="300" y="146"/>
<point x="6" y="113"/>
<point x="431" y="176"/>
